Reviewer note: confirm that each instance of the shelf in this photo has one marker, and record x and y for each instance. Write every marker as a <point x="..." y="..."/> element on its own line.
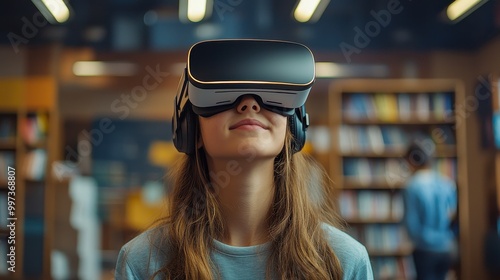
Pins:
<point x="403" y="252"/>
<point x="370" y="154"/>
<point x="353" y="184"/>
<point x="42" y="144"/>
<point x="441" y="151"/>
<point x="35" y="181"/>
<point x="430" y="121"/>
<point x="373" y="221"/>
<point x="446" y="151"/>
<point x="7" y="144"/>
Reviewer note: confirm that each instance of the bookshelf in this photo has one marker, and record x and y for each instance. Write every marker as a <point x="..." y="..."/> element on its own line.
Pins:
<point x="372" y="121"/>
<point x="28" y="141"/>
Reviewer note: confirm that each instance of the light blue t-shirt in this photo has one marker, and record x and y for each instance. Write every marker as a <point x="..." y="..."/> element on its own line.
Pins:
<point x="139" y="260"/>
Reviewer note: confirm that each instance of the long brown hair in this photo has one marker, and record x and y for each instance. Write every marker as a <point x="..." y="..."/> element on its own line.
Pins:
<point x="303" y="200"/>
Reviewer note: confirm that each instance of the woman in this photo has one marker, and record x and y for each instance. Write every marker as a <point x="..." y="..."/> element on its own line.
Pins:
<point x="245" y="205"/>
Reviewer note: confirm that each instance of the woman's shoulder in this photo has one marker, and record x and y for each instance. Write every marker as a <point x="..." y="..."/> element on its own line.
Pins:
<point x="352" y="254"/>
<point x="143" y="255"/>
<point x="342" y="242"/>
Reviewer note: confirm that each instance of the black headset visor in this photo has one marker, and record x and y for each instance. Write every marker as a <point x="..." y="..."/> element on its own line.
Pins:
<point x="219" y="72"/>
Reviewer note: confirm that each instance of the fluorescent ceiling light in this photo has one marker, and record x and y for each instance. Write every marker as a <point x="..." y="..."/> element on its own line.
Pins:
<point x="310" y="10"/>
<point x="462" y="8"/>
<point x="55" y="11"/>
<point x="101" y="68"/>
<point x="195" y="10"/>
<point x="327" y="69"/>
<point x="338" y="70"/>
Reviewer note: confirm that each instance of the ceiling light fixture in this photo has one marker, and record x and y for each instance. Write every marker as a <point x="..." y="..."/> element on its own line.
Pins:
<point x="101" y="68"/>
<point x="339" y="70"/>
<point x="195" y="10"/>
<point x="309" y="10"/>
<point x="54" y="11"/>
<point x="460" y="9"/>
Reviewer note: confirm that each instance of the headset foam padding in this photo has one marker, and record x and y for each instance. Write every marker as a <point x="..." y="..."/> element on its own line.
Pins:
<point x="184" y="128"/>
<point x="298" y="126"/>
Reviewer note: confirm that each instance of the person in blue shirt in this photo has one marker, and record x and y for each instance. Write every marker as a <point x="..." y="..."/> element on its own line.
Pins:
<point x="245" y="205"/>
<point x="430" y="201"/>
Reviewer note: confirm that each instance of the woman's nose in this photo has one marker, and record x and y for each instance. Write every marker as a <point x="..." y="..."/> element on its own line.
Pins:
<point x="248" y="103"/>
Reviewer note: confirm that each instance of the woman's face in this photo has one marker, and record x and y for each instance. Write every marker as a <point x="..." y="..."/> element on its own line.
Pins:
<point x="244" y="132"/>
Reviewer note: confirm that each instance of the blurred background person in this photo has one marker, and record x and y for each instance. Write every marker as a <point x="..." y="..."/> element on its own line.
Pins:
<point x="430" y="201"/>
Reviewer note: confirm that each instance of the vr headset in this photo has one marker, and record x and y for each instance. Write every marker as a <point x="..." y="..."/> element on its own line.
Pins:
<point x="218" y="73"/>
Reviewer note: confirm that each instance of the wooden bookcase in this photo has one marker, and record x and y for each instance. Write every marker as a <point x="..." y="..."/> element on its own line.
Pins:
<point x="372" y="121"/>
<point x="28" y="141"/>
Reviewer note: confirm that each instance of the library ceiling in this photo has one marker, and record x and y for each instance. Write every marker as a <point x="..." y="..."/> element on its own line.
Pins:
<point x="155" y="25"/>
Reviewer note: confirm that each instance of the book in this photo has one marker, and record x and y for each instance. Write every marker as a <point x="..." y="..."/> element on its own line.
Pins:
<point x="3" y="210"/>
<point x="348" y="204"/>
<point x="345" y="143"/>
<point x="34" y="128"/>
<point x="7" y="158"/>
<point x="365" y="205"/>
<point x="35" y="164"/>
<point x="442" y="135"/>
<point x="423" y="106"/>
<point x="3" y="256"/>
<point x="496" y="128"/>
<point x="397" y="206"/>
<point x="387" y="106"/>
<point x="438" y="105"/>
<point x="376" y="140"/>
<point x="381" y="205"/>
<point x="404" y="106"/>
<point x="7" y="127"/>
<point x="364" y="171"/>
<point x="354" y="106"/>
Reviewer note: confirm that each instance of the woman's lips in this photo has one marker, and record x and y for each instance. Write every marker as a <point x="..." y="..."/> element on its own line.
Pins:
<point x="248" y="123"/>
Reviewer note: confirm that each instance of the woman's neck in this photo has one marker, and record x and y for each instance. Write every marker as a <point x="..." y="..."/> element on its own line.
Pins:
<point x="245" y="192"/>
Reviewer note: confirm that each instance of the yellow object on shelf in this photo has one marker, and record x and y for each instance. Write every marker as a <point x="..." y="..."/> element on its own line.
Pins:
<point x="34" y="93"/>
<point x="40" y="93"/>
<point x="162" y="153"/>
<point x="141" y="213"/>
<point x="11" y="93"/>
